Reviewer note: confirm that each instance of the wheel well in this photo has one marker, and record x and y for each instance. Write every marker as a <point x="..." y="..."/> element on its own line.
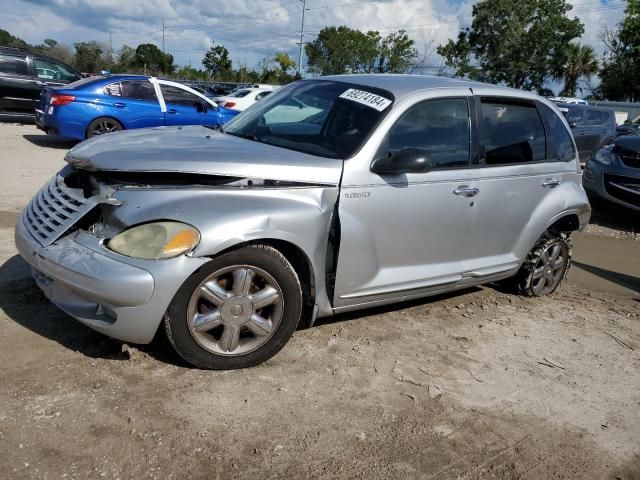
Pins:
<point x="86" y="130"/>
<point x="568" y="223"/>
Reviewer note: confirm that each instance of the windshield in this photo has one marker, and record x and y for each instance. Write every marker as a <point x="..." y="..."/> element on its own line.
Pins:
<point x="318" y="117"/>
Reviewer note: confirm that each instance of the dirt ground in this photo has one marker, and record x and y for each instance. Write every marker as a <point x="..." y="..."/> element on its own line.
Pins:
<point x="477" y="385"/>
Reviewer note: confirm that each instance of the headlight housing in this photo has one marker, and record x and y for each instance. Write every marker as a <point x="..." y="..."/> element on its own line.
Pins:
<point x="604" y="155"/>
<point x="156" y="241"/>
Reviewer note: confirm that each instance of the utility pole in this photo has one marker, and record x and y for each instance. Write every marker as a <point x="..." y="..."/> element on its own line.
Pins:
<point x="304" y="4"/>
<point x="163" y="36"/>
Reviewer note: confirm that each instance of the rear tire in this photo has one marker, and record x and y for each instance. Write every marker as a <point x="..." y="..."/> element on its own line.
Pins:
<point x="237" y="311"/>
<point x="545" y="267"/>
<point x="103" y="125"/>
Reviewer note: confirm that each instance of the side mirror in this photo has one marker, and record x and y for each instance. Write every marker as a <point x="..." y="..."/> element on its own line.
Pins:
<point x="407" y="160"/>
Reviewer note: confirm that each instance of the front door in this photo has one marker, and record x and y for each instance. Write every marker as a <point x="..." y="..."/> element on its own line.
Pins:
<point x="183" y="107"/>
<point x="406" y="233"/>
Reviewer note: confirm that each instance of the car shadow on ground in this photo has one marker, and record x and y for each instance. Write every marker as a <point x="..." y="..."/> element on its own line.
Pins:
<point x="23" y="302"/>
<point x="622" y="279"/>
<point x="50" y="141"/>
<point x="610" y="215"/>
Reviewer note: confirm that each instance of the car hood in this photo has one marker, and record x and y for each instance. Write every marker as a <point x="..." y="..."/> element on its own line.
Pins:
<point x="200" y="150"/>
<point x="629" y="142"/>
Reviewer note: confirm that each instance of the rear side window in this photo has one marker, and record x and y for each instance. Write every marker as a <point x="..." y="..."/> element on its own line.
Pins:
<point x="13" y="65"/>
<point x="559" y="141"/>
<point x="512" y="132"/>
<point x="134" y="89"/>
<point x="440" y="128"/>
<point x="596" y="117"/>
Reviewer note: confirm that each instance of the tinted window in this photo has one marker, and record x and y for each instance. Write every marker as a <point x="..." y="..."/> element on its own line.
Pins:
<point x="53" y="71"/>
<point x="240" y="93"/>
<point x="559" y="140"/>
<point x="13" y="65"/>
<point x="439" y="128"/>
<point x="596" y="117"/>
<point x="574" y="115"/>
<point x="138" y="89"/>
<point x="512" y="132"/>
<point x="262" y="95"/>
<point x="178" y="96"/>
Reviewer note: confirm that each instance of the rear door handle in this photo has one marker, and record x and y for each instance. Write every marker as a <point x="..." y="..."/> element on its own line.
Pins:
<point x="172" y="111"/>
<point x="551" y="183"/>
<point x="466" y="191"/>
<point x="119" y="105"/>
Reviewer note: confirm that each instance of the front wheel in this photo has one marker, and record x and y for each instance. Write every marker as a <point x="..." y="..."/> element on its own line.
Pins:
<point x="237" y="311"/>
<point x="546" y="265"/>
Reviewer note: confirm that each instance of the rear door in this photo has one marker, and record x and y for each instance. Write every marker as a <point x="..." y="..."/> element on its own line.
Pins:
<point x="576" y="118"/>
<point x="183" y="107"/>
<point x="19" y="90"/>
<point x="597" y="127"/>
<point x="134" y="103"/>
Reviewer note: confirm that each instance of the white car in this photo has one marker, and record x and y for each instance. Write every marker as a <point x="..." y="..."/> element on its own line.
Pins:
<point x="243" y="98"/>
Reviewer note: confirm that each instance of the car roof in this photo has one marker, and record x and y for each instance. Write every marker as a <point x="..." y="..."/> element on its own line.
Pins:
<point x="401" y="85"/>
<point x="581" y="106"/>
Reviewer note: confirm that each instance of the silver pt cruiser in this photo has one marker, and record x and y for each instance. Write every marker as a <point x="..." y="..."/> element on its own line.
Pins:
<point x="330" y="195"/>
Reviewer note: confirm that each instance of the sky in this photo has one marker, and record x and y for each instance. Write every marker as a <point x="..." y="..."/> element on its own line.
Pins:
<point x="256" y="29"/>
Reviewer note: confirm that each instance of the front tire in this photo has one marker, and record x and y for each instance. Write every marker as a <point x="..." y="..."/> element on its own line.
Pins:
<point x="237" y="311"/>
<point x="545" y="266"/>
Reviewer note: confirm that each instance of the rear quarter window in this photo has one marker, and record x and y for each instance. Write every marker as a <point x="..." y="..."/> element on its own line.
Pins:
<point x="13" y="65"/>
<point x="559" y="141"/>
<point x="512" y="132"/>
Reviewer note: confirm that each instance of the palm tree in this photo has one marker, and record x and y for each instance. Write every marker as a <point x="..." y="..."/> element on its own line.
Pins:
<point x="581" y="61"/>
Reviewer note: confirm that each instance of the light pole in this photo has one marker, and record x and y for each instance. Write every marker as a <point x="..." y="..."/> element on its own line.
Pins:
<point x="304" y="4"/>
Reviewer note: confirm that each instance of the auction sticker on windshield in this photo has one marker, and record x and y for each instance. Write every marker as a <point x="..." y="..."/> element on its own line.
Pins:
<point x="366" y="98"/>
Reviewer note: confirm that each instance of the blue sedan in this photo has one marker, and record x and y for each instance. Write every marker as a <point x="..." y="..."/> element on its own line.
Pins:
<point x="98" y="105"/>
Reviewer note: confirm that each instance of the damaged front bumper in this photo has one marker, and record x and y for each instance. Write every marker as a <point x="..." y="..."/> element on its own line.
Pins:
<point x="117" y="296"/>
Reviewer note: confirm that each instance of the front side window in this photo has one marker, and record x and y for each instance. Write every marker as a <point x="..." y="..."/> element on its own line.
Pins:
<point x="559" y="140"/>
<point x="53" y="71"/>
<point x="512" y="132"/>
<point x="13" y="65"/>
<point x="178" y="96"/>
<point x="320" y="117"/>
<point x="439" y="129"/>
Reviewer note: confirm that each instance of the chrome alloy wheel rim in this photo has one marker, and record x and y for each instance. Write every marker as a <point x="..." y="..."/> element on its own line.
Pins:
<point x="550" y="268"/>
<point x="105" y="126"/>
<point x="235" y="310"/>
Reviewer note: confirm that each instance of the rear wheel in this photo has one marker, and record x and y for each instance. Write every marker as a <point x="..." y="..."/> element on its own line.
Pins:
<point x="237" y="311"/>
<point x="545" y="267"/>
<point x="100" y="126"/>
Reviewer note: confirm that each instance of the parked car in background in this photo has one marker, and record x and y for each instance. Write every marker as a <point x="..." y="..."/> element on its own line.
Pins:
<point x="383" y="188"/>
<point x="575" y="101"/>
<point x="592" y="127"/>
<point x="628" y="129"/>
<point x="23" y="75"/>
<point x="99" y="105"/>
<point x="243" y="98"/>
<point x="613" y="173"/>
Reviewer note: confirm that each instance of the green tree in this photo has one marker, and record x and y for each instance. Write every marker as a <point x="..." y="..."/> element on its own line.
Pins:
<point x="8" y="40"/>
<point x="285" y="62"/>
<point x="152" y="60"/>
<point x="217" y="62"/>
<point x="88" y="57"/>
<point x="621" y="66"/>
<point x="396" y="52"/>
<point x="57" y="50"/>
<point x="126" y="60"/>
<point x="341" y="49"/>
<point x="581" y="62"/>
<point x="520" y="43"/>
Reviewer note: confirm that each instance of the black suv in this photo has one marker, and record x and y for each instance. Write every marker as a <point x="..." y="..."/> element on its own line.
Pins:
<point x="23" y="75"/>
<point x="592" y="127"/>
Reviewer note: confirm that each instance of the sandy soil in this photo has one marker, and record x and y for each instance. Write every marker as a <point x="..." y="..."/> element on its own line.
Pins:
<point x="480" y="384"/>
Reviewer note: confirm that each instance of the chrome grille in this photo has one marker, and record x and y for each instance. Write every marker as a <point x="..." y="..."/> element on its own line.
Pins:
<point x="54" y="210"/>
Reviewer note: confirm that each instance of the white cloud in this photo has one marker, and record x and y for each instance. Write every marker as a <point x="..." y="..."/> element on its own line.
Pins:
<point x="253" y="29"/>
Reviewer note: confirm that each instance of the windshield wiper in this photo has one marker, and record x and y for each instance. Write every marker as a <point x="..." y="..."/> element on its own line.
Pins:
<point x="248" y="136"/>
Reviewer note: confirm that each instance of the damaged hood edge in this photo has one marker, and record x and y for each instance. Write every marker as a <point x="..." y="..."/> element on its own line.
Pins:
<point x="200" y="151"/>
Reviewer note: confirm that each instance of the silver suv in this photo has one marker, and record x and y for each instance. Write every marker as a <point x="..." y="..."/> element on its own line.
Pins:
<point x="330" y="195"/>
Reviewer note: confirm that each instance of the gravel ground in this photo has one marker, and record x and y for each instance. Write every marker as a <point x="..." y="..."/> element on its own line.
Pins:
<point x="480" y="384"/>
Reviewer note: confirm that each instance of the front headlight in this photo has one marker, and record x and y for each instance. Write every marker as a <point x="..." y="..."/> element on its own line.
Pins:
<point x="604" y="155"/>
<point x="156" y="241"/>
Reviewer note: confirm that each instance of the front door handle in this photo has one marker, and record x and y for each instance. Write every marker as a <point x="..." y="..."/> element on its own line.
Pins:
<point x="119" y="105"/>
<point x="551" y="183"/>
<point x="466" y="191"/>
<point x="172" y="111"/>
